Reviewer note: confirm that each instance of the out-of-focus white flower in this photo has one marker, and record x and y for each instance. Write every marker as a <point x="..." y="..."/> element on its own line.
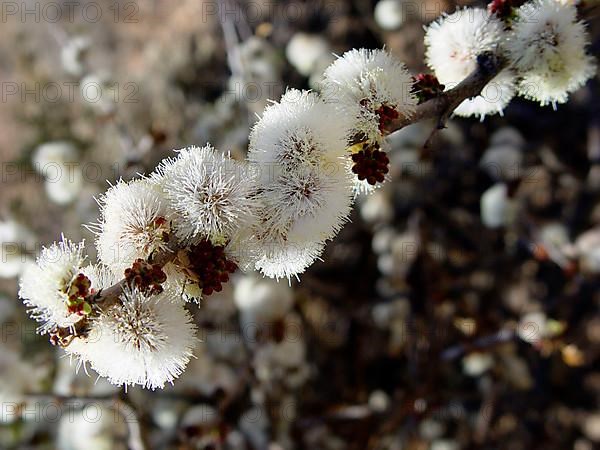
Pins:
<point x="93" y="427"/>
<point x="133" y="223"/>
<point x="388" y="314"/>
<point x="444" y="444"/>
<point x="533" y="327"/>
<point x="372" y="88"/>
<point x="379" y="401"/>
<point x="554" y="238"/>
<point x="475" y="364"/>
<point x="453" y="43"/>
<point x="298" y="147"/>
<point x="547" y="47"/>
<point x="66" y="186"/>
<point x="377" y="207"/>
<point x="99" y="93"/>
<point x="45" y="286"/>
<point x="495" y="206"/>
<point x="390" y="14"/>
<point x="502" y="162"/>
<point x="507" y="136"/>
<point x="72" y="55"/>
<point x="432" y="429"/>
<point x="53" y="153"/>
<point x="587" y="248"/>
<point x="210" y="194"/>
<point x="262" y="299"/>
<point x="310" y="54"/>
<point x="305" y="50"/>
<point x="146" y="341"/>
<point x="590" y="425"/>
<point x="57" y="161"/>
<point x="15" y="244"/>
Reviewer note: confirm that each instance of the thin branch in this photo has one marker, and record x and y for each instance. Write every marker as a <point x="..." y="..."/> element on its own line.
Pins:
<point x="440" y="108"/>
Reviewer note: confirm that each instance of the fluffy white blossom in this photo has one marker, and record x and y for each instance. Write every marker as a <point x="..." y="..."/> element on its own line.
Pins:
<point x="44" y="286"/>
<point x="280" y="259"/>
<point x="309" y="204"/>
<point x="210" y="194"/>
<point x="453" y="43"/>
<point x="370" y="86"/>
<point x="133" y="223"/>
<point x="300" y="129"/>
<point x="299" y="149"/>
<point x="547" y="47"/>
<point x="305" y="51"/>
<point x="146" y="340"/>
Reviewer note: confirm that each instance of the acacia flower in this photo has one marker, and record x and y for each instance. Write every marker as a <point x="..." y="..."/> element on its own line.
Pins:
<point x="133" y="223"/>
<point x="211" y="196"/>
<point x="547" y="48"/>
<point x="144" y="340"/>
<point x="371" y="87"/>
<point x="54" y="286"/>
<point x="305" y="193"/>
<point x="453" y="44"/>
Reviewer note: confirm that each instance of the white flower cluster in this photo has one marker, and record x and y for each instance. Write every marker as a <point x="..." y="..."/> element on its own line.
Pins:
<point x="183" y="230"/>
<point x="453" y="44"/>
<point x="547" y="48"/>
<point x="146" y="340"/>
<point x="46" y="286"/>
<point x="542" y="41"/>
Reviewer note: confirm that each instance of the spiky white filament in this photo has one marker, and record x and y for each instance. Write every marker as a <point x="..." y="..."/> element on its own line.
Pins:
<point x="547" y="47"/>
<point x="132" y="223"/>
<point x="361" y="81"/>
<point x="453" y="43"/>
<point x="44" y="285"/>
<point x="210" y="195"/>
<point x="145" y="340"/>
